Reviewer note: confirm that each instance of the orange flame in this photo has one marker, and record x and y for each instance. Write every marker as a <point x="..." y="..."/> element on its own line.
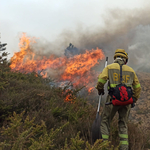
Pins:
<point x="25" y="61"/>
<point x="68" y="98"/>
<point x="77" y="69"/>
<point x="90" y="90"/>
<point x="80" y="66"/>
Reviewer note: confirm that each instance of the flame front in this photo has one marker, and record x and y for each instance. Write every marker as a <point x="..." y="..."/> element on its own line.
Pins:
<point x="80" y="66"/>
<point x="76" y="69"/>
<point x="25" y="61"/>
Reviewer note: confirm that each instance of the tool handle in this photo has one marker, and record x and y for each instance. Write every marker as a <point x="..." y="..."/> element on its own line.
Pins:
<point x="106" y="58"/>
<point x="100" y="96"/>
<point x="106" y="61"/>
<point x="99" y="103"/>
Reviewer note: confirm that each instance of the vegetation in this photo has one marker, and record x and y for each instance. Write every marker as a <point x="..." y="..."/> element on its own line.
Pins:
<point x="36" y="116"/>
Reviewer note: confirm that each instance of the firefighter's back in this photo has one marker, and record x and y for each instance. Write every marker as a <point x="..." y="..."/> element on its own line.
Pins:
<point x="114" y="74"/>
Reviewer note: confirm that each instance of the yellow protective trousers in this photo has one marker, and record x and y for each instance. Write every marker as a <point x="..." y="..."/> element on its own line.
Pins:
<point x="108" y="113"/>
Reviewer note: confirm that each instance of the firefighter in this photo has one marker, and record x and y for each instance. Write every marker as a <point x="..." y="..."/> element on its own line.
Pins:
<point x="112" y="74"/>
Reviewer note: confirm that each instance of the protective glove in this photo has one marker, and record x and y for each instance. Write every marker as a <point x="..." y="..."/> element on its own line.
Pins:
<point x="133" y="104"/>
<point x="101" y="91"/>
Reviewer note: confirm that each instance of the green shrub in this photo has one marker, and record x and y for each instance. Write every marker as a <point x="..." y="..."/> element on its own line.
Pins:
<point x="35" y="116"/>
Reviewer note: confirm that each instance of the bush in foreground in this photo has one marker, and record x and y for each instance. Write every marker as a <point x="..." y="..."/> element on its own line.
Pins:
<point x="35" y="115"/>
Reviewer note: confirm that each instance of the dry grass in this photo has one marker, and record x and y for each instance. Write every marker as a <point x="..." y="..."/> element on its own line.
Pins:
<point x="30" y="93"/>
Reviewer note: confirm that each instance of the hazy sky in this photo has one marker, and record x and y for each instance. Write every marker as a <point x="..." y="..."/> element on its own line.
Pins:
<point x="47" y="19"/>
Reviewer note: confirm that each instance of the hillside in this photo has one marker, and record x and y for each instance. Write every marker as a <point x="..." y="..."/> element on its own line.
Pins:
<point x="141" y="112"/>
<point x="37" y="116"/>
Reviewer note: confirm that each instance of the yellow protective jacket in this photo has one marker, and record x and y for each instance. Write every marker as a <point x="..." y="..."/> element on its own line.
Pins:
<point x="112" y="73"/>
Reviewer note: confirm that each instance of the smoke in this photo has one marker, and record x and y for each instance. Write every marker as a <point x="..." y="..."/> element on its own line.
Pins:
<point x="127" y="29"/>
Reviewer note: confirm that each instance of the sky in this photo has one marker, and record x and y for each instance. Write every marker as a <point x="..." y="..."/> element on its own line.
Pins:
<point x="86" y="23"/>
<point x="48" y="18"/>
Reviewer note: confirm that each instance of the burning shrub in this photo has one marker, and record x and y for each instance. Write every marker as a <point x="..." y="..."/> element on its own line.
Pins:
<point x="77" y="68"/>
<point x="29" y="92"/>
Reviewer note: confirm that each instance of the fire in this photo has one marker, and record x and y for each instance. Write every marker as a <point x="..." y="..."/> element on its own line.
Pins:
<point x="69" y="98"/>
<point x="80" y="66"/>
<point x="25" y="60"/>
<point x="76" y="69"/>
<point x="90" y="89"/>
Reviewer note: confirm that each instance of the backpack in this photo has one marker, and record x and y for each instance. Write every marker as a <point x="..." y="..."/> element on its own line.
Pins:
<point x="121" y="94"/>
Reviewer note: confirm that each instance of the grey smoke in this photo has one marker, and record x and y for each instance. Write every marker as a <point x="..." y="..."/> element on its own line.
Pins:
<point x="127" y="29"/>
